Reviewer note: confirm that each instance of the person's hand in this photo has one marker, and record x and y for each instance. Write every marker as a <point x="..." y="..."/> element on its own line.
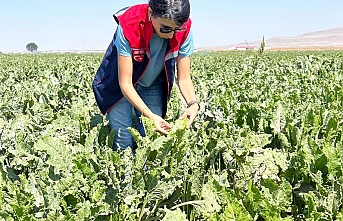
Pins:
<point x="190" y="113"/>
<point x="161" y="125"/>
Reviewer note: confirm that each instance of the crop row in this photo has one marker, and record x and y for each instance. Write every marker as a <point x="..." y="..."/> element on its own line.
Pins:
<point x="267" y="143"/>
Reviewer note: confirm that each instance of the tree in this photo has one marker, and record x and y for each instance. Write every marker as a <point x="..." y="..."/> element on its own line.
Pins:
<point x="31" y="47"/>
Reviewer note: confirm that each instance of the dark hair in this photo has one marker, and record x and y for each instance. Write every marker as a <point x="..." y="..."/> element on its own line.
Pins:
<point x="177" y="11"/>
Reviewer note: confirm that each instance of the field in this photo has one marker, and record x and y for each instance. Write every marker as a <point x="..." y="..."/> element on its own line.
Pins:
<point x="267" y="143"/>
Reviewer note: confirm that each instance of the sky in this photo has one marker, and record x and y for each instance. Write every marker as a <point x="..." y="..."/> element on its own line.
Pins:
<point x="89" y="25"/>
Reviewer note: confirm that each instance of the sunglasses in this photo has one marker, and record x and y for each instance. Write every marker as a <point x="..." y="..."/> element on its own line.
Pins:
<point x="166" y="30"/>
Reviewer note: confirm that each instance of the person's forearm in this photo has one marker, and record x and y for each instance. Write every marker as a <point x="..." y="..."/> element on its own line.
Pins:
<point x="125" y="70"/>
<point x="184" y="79"/>
<point x="187" y="89"/>
<point x="132" y="96"/>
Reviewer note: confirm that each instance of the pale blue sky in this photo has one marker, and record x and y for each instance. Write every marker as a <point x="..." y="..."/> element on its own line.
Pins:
<point x="89" y="25"/>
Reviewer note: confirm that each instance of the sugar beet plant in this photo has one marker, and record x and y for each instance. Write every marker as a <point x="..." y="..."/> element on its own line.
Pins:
<point x="267" y="143"/>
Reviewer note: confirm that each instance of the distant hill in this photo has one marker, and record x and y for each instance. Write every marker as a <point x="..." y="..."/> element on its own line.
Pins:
<point x="330" y="38"/>
<point x="319" y="39"/>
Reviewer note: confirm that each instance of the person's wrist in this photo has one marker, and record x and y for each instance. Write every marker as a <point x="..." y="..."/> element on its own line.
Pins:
<point x="146" y="109"/>
<point x="193" y="102"/>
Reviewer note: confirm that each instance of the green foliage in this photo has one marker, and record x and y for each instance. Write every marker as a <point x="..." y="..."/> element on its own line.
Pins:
<point x="266" y="145"/>
<point x="31" y="47"/>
